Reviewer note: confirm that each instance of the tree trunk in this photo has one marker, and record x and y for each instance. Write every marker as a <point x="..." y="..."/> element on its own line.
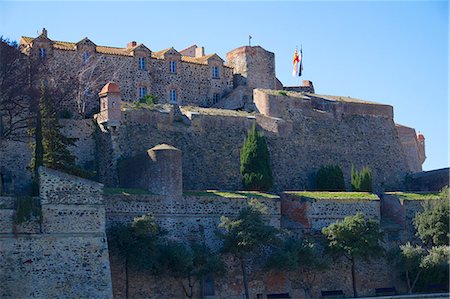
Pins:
<point x="244" y="277"/>
<point x="126" y="278"/>
<point x="355" y="294"/>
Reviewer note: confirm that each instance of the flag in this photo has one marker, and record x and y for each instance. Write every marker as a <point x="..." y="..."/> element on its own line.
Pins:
<point x="295" y="62"/>
<point x="300" y="59"/>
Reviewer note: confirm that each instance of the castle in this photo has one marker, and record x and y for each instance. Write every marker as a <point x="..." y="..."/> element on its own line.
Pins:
<point x="190" y="140"/>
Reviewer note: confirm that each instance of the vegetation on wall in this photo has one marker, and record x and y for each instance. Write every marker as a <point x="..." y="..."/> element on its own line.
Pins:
<point x="255" y="162"/>
<point x="362" y="180"/>
<point x="330" y="178"/>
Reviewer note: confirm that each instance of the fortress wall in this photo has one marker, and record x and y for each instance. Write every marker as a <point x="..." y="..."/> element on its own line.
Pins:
<point x="70" y="255"/>
<point x="408" y="138"/>
<point x="15" y="157"/>
<point x="84" y="148"/>
<point x="211" y="148"/>
<point x="47" y="266"/>
<point x="187" y="218"/>
<point x="311" y="215"/>
<point x="285" y="104"/>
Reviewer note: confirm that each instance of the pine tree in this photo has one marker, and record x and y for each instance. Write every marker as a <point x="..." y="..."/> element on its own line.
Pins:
<point x="255" y="162"/>
<point x="330" y="178"/>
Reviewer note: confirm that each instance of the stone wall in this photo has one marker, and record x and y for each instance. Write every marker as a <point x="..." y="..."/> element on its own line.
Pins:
<point x="83" y="131"/>
<point x="309" y="215"/>
<point x="15" y="158"/>
<point x="65" y="255"/>
<point x="402" y="213"/>
<point x="185" y="218"/>
<point x="414" y="154"/>
<point x="212" y="139"/>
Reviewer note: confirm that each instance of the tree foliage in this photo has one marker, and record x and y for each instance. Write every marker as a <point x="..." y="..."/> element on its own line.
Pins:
<point x="302" y="259"/>
<point x="189" y="264"/>
<point x="354" y="237"/>
<point x="432" y="224"/>
<point x="137" y="244"/>
<point x="419" y="267"/>
<point x="330" y="178"/>
<point x="246" y="234"/>
<point x="362" y="180"/>
<point x="255" y="162"/>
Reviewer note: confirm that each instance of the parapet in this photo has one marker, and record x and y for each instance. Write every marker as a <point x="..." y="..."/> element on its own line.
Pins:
<point x="413" y="147"/>
<point x="281" y="104"/>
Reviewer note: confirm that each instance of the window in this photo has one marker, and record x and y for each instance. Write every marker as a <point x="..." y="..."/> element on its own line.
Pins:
<point x="142" y="65"/>
<point x="42" y="53"/>
<point x="173" y="96"/>
<point x="173" y="66"/>
<point x="86" y="56"/>
<point x="215" y="98"/>
<point x="215" y="72"/>
<point x="142" y="92"/>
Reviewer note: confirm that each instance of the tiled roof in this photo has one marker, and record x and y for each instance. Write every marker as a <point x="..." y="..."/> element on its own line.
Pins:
<point x="160" y="54"/>
<point x="68" y="46"/>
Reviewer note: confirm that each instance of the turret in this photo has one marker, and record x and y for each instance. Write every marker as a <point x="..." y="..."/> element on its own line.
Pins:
<point x="253" y="66"/>
<point x="110" y="114"/>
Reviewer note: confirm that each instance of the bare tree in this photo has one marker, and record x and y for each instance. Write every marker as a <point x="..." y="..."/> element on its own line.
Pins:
<point x="16" y="93"/>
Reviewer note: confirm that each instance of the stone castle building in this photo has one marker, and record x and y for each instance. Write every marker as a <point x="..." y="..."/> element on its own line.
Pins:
<point x="191" y="140"/>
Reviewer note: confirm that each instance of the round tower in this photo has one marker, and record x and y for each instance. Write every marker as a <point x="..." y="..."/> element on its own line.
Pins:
<point x="165" y="170"/>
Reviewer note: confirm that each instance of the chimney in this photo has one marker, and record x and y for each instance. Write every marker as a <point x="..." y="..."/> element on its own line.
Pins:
<point x="44" y="32"/>
<point x="131" y="44"/>
<point x="199" y="51"/>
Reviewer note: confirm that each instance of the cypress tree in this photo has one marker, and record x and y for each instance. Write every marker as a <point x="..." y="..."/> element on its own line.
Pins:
<point x="50" y="147"/>
<point x="255" y="162"/>
<point x="330" y="178"/>
<point x="362" y="180"/>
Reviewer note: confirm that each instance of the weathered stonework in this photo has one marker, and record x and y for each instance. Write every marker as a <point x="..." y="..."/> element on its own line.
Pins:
<point x="66" y="255"/>
<point x="308" y="215"/>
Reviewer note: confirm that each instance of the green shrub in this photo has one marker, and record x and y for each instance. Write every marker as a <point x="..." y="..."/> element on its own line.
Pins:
<point x="149" y="100"/>
<point x="283" y="93"/>
<point x="362" y="180"/>
<point x="330" y="178"/>
<point x="255" y="162"/>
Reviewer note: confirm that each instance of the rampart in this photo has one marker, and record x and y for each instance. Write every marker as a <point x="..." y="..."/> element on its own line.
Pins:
<point x="66" y="253"/>
<point x="304" y="214"/>
<point x="211" y="139"/>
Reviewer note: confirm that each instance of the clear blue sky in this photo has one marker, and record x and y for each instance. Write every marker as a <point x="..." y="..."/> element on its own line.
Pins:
<point x="390" y="52"/>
